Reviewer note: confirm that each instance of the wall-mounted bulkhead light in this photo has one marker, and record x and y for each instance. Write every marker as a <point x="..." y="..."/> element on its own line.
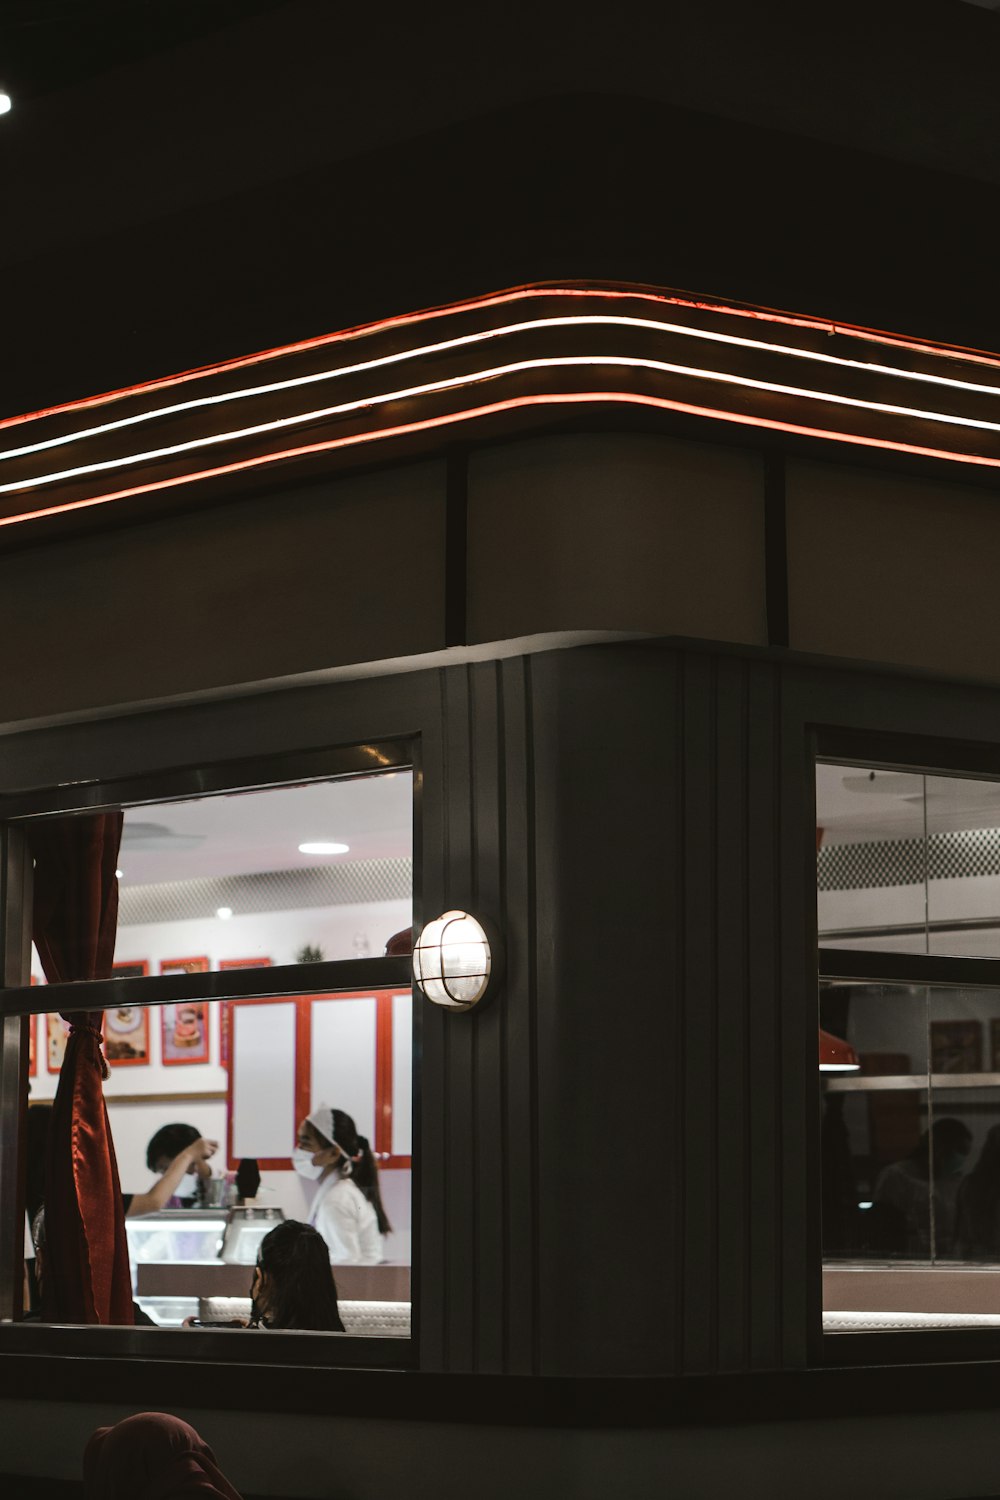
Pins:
<point x="456" y="960"/>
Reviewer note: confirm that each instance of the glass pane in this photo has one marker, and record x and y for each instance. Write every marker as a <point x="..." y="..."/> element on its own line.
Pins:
<point x="205" y="1139"/>
<point x="876" y="1200"/>
<point x="911" y="1157"/>
<point x="963" y="860"/>
<point x="908" y="862"/>
<point x="286" y="875"/>
<point x="871" y="865"/>
<point x="965" y="1042"/>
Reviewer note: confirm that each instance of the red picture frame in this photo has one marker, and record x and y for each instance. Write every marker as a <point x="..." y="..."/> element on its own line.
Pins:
<point x="382" y="1144"/>
<point x="56" y="1037"/>
<point x="126" y="1036"/>
<point x="184" y="1033"/>
<point x="184" y="965"/>
<point x="225" y="1017"/>
<point x="138" y="968"/>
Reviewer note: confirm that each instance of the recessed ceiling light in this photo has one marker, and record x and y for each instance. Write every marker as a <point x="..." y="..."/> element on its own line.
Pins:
<point x="119" y="874"/>
<point x="324" y="848"/>
<point x="6" y="103"/>
<point x="224" y="913"/>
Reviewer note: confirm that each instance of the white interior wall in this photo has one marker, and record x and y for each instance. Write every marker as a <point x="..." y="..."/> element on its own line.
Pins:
<point x="275" y="935"/>
<point x="885" y="906"/>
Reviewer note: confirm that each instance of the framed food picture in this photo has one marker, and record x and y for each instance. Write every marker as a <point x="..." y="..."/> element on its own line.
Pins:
<point x="32" y="1056"/>
<point x="138" y="969"/>
<point x="184" y="965"/>
<point x="126" y="1036"/>
<point x="56" y="1037"/>
<point x="184" y="1036"/>
<point x="956" y="1046"/>
<point x="225" y="1014"/>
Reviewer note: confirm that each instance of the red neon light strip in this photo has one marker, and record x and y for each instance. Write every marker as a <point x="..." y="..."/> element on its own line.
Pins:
<point x="712" y="336"/>
<point x="513" y="403"/>
<point x="496" y="299"/>
<point x="695" y="372"/>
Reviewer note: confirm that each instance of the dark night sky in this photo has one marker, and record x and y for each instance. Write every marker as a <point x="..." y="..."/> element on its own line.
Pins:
<point x="189" y="179"/>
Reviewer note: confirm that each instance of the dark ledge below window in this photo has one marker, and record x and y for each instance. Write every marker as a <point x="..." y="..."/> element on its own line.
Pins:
<point x="511" y="1400"/>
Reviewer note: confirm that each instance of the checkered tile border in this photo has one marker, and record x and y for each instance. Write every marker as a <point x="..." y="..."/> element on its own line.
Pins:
<point x="950" y="856"/>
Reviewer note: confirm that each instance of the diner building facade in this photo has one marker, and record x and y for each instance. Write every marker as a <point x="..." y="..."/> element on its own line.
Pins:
<point x="610" y="567"/>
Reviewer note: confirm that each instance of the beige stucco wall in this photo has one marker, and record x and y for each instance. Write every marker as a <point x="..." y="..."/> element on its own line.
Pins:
<point x="347" y="571"/>
<point x="893" y="568"/>
<point x="616" y="532"/>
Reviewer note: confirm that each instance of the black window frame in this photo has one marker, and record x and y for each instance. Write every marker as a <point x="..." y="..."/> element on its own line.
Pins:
<point x="921" y="755"/>
<point x="18" y="999"/>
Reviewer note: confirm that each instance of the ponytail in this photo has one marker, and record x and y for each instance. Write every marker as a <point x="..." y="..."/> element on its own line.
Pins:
<point x="362" y="1167"/>
<point x="366" y="1177"/>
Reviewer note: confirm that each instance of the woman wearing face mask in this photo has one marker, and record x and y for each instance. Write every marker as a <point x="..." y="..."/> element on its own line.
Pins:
<point x="347" y="1209"/>
<point x="180" y="1154"/>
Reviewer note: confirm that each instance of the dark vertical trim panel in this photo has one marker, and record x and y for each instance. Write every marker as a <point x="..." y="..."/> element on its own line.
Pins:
<point x="698" y="1079"/>
<point x="798" y="1051"/>
<point x="518" y="999"/>
<point x="604" y="1007"/>
<point x="15" y="905"/>
<point x="775" y="550"/>
<point x="491" y="1147"/>
<point x="461" y="1228"/>
<point x="764" y="1119"/>
<point x="732" y="894"/>
<point x="431" y="1298"/>
<point x="456" y="549"/>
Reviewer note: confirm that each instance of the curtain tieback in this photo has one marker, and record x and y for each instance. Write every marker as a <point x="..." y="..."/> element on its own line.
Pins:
<point x="88" y="1030"/>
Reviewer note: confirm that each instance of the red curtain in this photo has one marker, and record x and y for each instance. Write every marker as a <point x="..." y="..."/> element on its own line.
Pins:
<point x="75" y="921"/>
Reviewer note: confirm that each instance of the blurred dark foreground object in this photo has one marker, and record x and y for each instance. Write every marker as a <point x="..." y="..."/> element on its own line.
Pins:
<point x="152" y="1457"/>
<point x="247" y="1178"/>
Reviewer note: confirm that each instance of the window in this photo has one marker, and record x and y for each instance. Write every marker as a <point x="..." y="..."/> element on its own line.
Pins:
<point x="249" y="989"/>
<point x="908" y="908"/>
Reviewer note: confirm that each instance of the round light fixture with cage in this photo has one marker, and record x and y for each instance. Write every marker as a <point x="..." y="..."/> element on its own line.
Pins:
<point x="455" y="960"/>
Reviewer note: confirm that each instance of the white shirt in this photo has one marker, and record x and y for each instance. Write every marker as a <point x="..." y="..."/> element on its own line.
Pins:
<point x="348" y="1223"/>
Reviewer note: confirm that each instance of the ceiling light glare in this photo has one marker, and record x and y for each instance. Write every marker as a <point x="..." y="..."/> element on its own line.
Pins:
<point x="6" y="103"/>
<point x="321" y="847"/>
<point x="224" y="913"/>
<point x="119" y="874"/>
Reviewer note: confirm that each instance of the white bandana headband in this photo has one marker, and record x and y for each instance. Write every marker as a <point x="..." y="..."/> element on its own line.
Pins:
<point x="322" y="1118"/>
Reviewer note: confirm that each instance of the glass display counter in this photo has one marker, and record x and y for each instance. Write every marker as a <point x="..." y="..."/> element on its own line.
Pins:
<point x="192" y="1262"/>
<point x="180" y="1255"/>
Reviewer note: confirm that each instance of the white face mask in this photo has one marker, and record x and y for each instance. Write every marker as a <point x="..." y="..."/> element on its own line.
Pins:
<point x="303" y="1163"/>
<point x="188" y="1186"/>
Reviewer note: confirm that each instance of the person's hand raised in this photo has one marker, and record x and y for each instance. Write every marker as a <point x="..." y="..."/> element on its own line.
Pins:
<point x="199" y="1153"/>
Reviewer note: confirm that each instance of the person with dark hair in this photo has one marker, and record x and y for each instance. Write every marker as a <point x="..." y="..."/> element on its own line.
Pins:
<point x="151" y="1456"/>
<point x="180" y="1154"/>
<point x="905" y="1190"/>
<point x="347" y="1210"/>
<point x="977" y="1213"/>
<point x="292" y="1285"/>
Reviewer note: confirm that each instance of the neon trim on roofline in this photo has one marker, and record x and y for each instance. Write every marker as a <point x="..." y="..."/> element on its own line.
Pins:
<point x="486" y="335"/>
<point x="495" y="299"/>
<point x="512" y="404"/>
<point x="517" y="367"/>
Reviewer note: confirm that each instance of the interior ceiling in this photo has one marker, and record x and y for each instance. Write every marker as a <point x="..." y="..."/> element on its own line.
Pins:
<point x="855" y="804"/>
<point x="259" y="832"/>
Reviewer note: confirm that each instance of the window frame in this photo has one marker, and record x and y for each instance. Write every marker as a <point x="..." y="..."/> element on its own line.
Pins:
<point x="918" y="754"/>
<point x="20" y="999"/>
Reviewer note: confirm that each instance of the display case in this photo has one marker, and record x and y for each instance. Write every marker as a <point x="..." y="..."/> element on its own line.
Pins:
<point x="180" y="1255"/>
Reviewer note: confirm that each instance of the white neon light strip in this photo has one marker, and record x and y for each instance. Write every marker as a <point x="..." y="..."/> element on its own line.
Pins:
<point x="465" y="340"/>
<point x="518" y="367"/>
